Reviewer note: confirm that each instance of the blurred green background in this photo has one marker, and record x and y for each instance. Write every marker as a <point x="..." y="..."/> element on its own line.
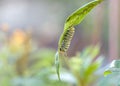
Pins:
<point x="29" y="34"/>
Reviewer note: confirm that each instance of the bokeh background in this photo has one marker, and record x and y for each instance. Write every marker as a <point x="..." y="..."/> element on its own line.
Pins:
<point x="29" y="34"/>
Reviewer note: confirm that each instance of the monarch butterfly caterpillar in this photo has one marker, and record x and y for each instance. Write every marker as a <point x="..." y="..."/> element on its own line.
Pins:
<point x="65" y="39"/>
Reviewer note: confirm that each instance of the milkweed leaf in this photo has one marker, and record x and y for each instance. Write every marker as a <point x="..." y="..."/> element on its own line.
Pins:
<point x="76" y="17"/>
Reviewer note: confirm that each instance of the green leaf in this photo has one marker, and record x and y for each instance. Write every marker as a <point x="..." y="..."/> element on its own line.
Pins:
<point x="93" y="67"/>
<point x="107" y="72"/>
<point x="114" y="67"/>
<point x="76" y="17"/>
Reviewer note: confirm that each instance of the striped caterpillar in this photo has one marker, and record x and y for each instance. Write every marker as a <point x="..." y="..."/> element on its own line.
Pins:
<point x="66" y="40"/>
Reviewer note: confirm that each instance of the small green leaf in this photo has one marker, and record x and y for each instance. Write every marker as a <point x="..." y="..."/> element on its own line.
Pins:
<point x="114" y="67"/>
<point x="76" y="17"/>
<point x="107" y="72"/>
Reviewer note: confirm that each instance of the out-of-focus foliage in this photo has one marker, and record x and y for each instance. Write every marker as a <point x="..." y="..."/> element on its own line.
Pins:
<point x="23" y="64"/>
<point x="84" y="66"/>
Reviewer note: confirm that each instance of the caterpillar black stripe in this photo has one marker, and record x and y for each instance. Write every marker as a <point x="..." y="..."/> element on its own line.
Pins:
<point x="67" y="37"/>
